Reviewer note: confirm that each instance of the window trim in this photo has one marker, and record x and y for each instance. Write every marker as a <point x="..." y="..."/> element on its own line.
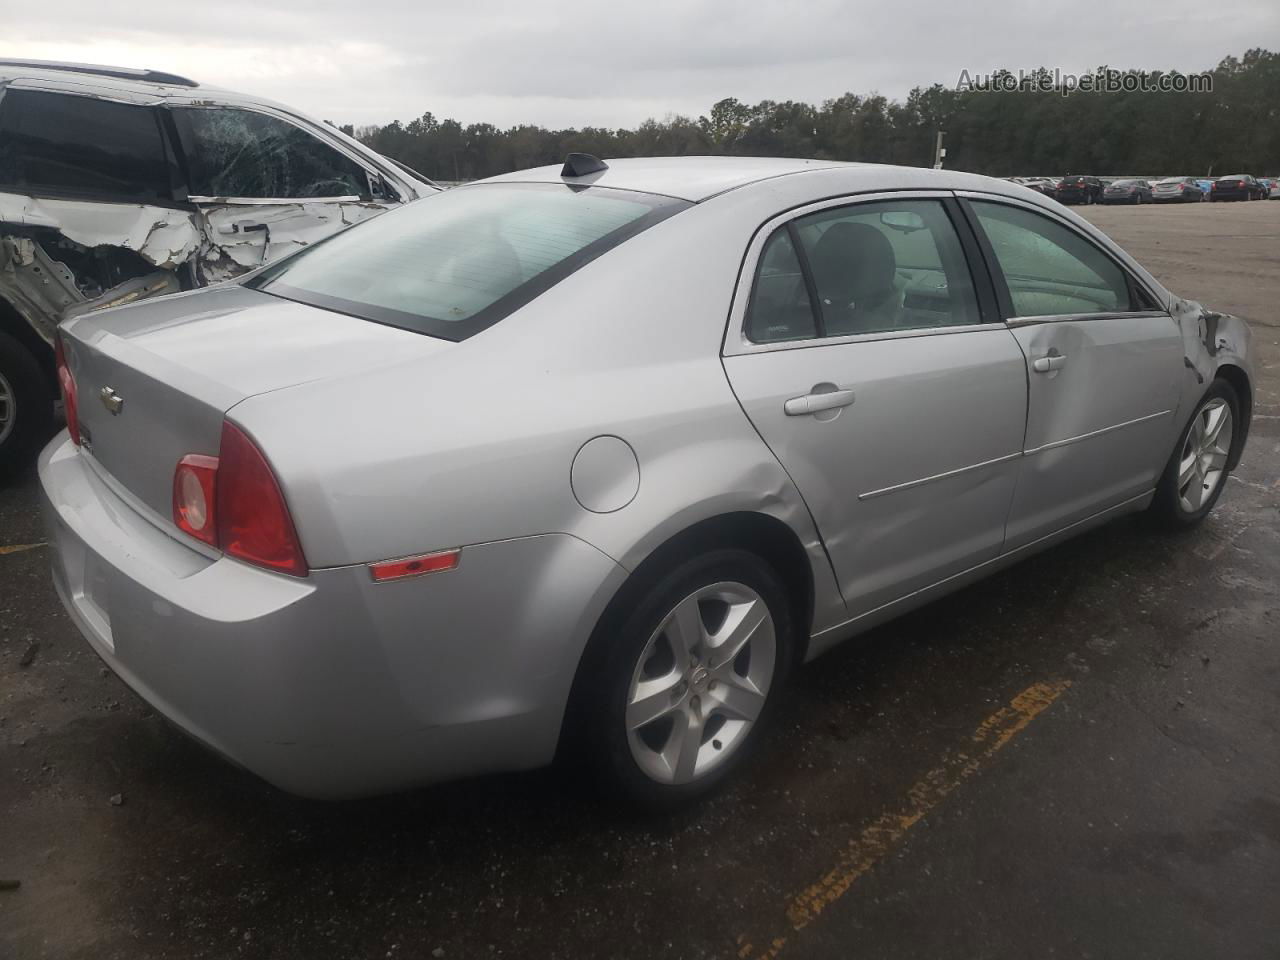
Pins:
<point x="1009" y="316"/>
<point x="739" y="310"/>
<point x="186" y="146"/>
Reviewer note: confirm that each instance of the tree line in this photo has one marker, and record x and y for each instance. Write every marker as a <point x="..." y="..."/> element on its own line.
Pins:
<point x="1034" y="130"/>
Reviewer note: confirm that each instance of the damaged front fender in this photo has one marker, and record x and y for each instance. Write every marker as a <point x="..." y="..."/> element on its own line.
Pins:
<point x="1216" y="345"/>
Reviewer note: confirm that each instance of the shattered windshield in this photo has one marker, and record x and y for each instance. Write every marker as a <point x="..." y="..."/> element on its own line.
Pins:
<point x="458" y="261"/>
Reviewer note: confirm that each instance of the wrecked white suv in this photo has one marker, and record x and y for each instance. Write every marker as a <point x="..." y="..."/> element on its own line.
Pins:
<point x="118" y="184"/>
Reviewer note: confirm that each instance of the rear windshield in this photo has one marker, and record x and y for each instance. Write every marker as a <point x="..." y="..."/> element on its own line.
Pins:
<point x="457" y="262"/>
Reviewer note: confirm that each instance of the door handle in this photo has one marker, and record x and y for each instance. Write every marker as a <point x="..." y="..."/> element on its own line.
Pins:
<point x="1045" y="364"/>
<point x="817" y="402"/>
<point x="242" y="226"/>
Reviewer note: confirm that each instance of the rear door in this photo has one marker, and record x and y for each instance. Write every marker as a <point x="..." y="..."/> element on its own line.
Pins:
<point x="88" y="216"/>
<point x="859" y="350"/>
<point x="1103" y="363"/>
<point x="265" y="185"/>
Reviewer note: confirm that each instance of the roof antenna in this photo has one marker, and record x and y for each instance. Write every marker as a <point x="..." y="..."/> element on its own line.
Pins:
<point x="581" y="164"/>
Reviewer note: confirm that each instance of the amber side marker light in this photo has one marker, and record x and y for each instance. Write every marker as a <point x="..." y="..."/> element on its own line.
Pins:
<point x="415" y="566"/>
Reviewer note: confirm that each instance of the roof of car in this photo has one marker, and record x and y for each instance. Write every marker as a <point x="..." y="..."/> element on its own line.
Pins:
<point x="153" y="85"/>
<point x="699" y="178"/>
<point x="689" y="178"/>
<point x="101" y="70"/>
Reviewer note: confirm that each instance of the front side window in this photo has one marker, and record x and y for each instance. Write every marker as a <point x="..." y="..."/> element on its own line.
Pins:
<point x="245" y="154"/>
<point x="59" y="144"/>
<point x="1049" y="269"/>
<point x="456" y="262"/>
<point x="874" y="267"/>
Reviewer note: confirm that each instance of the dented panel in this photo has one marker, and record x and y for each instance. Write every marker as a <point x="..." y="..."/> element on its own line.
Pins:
<point x="62" y="258"/>
<point x="244" y="236"/>
<point x="165" y="237"/>
<point x="1211" y="341"/>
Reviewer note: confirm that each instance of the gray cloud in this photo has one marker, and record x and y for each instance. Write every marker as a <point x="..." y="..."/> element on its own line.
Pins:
<point x="568" y="63"/>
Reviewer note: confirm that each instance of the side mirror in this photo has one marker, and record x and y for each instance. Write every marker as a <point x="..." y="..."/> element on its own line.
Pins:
<point x="903" y="220"/>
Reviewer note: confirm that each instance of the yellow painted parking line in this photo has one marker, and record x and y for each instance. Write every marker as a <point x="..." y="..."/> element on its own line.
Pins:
<point x="19" y="547"/>
<point x="878" y="838"/>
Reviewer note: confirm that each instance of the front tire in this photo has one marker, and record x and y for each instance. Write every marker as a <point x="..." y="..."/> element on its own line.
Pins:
<point x="26" y="406"/>
<point x="679" y="693"/>
<point x="1196" y="474"/>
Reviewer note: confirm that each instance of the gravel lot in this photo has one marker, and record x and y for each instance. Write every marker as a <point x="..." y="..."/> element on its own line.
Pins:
<point x="1075" y="758"/>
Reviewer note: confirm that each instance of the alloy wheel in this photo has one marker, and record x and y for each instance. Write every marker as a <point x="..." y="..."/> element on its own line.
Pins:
<point x="1203" y="461"/>
<point x="701" y="683"/>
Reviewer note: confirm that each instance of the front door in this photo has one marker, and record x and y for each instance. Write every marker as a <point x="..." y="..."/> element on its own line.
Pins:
<point x="1103" y="368"/>
<point x="264" y="187"/>
<point x="864" y="363"/>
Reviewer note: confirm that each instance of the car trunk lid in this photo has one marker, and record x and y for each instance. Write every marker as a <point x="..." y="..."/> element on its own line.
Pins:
<point x="154" y="381"/>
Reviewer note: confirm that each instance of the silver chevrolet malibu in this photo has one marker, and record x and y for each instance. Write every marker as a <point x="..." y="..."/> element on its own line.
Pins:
<point x="594" y="455"/>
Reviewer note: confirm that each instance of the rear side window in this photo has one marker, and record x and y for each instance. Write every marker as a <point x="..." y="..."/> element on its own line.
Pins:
<point x="58" y="144"/>
<point x="1050" y="270"/>
<point x="875" y="267"/>
<point x="245" y="154"/>
<point x="780" y="307"/>
<point x="458" y="261"/>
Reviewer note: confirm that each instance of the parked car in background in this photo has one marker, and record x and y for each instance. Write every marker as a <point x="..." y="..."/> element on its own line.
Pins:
<point x="1177" y="190"/>
<point x="1079" y="190"/>
<point x="1127" y="191"/>
<point x="263" y="519"/>
<point x="1269" y="184"/>
<point x="118" y="185"/>
<point x="1237" y="186"/>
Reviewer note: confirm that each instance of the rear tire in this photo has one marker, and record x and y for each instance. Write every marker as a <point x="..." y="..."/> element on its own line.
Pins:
<point x="666" y="709"/>
<point x="1197" y="471"/>
<point x="26" y="407"/>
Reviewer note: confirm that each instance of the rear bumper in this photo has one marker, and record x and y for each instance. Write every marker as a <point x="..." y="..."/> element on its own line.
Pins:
<point x="332" y="686"/>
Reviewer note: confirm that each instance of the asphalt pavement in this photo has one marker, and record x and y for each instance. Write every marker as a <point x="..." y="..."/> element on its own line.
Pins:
<point x="1079" y="757"/>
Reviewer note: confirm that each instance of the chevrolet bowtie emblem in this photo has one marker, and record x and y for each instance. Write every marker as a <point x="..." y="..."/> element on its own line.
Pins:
<point x="111" y="400"/>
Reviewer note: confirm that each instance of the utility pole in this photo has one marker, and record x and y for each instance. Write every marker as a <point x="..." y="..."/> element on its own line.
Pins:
<point x="939" y="151"/>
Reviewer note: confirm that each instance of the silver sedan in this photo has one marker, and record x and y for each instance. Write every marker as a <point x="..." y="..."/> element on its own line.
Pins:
<point x="591" y="457"/>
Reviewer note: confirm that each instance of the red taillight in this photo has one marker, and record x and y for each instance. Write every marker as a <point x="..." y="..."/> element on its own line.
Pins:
<point x="194" y="500"/>
<point x="253" y="519"/>
<point x="67" y="385"/>
<point x="415" y="566"/>
<point x="233" y="502"/>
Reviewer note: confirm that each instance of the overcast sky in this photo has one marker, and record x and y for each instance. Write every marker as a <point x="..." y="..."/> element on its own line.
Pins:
<point x="615" y="62"/>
